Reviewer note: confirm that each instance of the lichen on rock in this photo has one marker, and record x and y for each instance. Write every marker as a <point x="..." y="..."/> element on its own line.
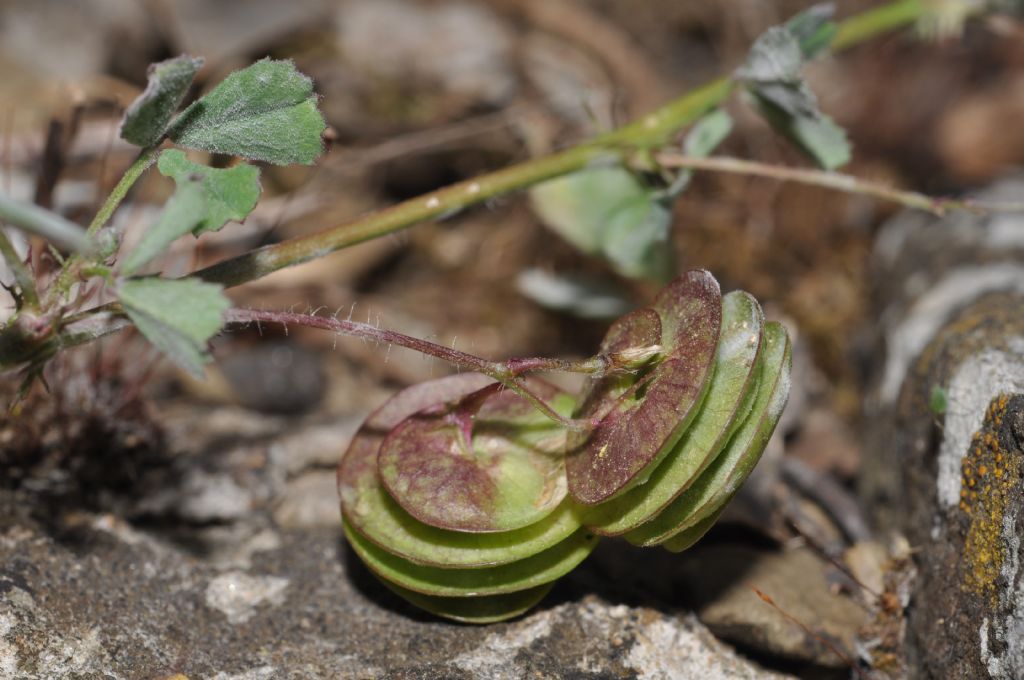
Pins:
<point x="990" y="484"/>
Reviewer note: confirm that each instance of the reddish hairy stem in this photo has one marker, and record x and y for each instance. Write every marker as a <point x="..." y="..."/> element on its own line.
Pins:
<point x="505" y="372"/>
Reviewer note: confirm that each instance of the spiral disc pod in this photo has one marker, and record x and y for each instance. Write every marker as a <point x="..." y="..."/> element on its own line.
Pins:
<point x="468" y="502"/>
<point x="453" y="494"/>
<point x="711" y="492"/>
<point x="678" y="497"/>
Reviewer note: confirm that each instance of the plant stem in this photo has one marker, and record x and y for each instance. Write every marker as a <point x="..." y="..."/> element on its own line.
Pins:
<point x="505" y="372"/>
<point x="49" y="225"/>
<point x="831" y="180"/>
<point x="73" y="267"/>
<point x="141" y="163"/>
<point x="866" y="25"/>
<point x="650" y="131"/>
<point x="22" y="276"/>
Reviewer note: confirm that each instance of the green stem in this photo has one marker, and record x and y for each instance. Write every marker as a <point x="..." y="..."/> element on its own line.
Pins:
<point x="862" y="27"/>
<point x="49" y="225"/>
<point x="73" y="267"/>
<point x="141" y="163"/>
<point x="650" y="131"/>
<point x="22" y="276"/>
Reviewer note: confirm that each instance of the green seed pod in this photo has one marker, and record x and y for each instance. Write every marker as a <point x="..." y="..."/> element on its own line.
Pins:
<point x="469" y="503"/>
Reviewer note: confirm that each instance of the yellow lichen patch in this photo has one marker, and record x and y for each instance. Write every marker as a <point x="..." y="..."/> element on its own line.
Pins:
<point x="989" y="482"/>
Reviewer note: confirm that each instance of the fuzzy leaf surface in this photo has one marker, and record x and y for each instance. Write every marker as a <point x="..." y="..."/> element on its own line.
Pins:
<point x="230" y="193"/>
<point x="182" y="214"/>
<point x="265" y="112"/>
<point x="178" y="316"/>
<point x="606" y="211"/>
<point x="147" y="118"/>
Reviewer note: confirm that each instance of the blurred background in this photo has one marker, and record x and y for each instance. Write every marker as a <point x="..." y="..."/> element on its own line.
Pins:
<point x="420" y="94"/>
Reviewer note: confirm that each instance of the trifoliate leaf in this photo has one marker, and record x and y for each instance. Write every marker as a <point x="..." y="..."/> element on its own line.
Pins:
<point x="178" y="316"/>
<point x="182" y="214"/>
<point x="147" y="118"/>
<point x="231" y="193"/>
<point x="813" y="28"/>
<point x="206" y="198"/>
<point x="265" y="112"/>
<point x="793" y="112"/>
<point x="607" y="211"/>
<point x="772" y="75"/>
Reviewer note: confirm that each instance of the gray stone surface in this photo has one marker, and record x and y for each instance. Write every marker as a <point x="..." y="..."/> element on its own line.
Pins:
<point x="950" y="478"/>
<point x="797" y="581"/>
<point x="93" y="597"/>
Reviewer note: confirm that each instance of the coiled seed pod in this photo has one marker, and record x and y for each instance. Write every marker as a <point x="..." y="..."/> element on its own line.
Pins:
<point x="468" y="503"/>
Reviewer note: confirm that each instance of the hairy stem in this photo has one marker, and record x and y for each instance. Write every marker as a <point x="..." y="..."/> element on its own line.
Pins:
<point x="831" y="180"/>
<point x="22" y="276"/>
<point x="141" y="163"/>
<point x="73" y="267"/>
<point x="650" y="131"/>
<point x="505" y="372"/>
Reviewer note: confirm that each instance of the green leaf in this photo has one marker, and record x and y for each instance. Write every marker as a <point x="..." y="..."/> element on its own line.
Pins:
<point x="703" y="138"/>
<point x="636" y="238"/>
<point x="147" y="118"/>
<point x="793" y="113"/>
<point x="230" y="193"/>
<point x="206" y="198"/>
<point x="707" y="133"/>
<point x="265" y="112"/>
<point x="772" y="76"/>
<point x="178" y="316"/>
<point x="938" y="401"/>
<point x="774" y="57"/>
<point x="813" y="28"/>
<point x="182" y="214"/>
<point x="607" y="211"/>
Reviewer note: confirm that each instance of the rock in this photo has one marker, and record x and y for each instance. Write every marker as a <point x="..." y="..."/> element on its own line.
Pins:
<point x="275" y="377"/>
<point x="944" y="465"/>
<point x="825" y="443"/>
<point x="237" y="594"/>
<point x="310" y="500"/>
<point x="92" y="604"/>
<point x="722" y="579"/>
<point x="929" y="269"/>
<point x="315" y="445"/>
